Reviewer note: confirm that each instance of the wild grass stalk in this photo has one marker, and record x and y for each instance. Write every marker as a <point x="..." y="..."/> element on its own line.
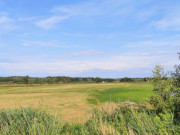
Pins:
<point x="112" y="119"/>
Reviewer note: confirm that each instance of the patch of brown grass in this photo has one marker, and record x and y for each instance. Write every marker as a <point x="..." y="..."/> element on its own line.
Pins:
<point x="70" y="100"/>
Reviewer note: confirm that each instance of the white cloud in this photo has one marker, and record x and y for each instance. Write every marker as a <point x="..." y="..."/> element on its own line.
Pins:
<point x="168" y="19"/>
<point x="75" y="34"/>
<point x="68" y="67"/>
<point x="61" y="9"/>
<point x="87" y="53"/>
<point x="106" y="36"/>
<point x="168" y="23"/>
<point x="50" y="22"/>
<point x="4" y="20"/>
<point x="52" y="43"/>
<point x="25" y="44"/>
<point x="123" y="9"/>
<point x="93" y="10"/>
<point x="151" y="43"/>
<point x="26" y="18"/>
<point x="7" y="23"/>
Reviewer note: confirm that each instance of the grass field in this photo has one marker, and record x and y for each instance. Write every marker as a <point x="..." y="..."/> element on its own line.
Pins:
<point x="73" y="101"/>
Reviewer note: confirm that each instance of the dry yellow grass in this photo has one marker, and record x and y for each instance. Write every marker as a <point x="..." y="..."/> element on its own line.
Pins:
<point x="73" y="106"/>
<point x="70" y="100"/>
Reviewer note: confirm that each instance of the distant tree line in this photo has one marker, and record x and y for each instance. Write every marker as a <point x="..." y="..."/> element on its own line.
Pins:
<point x="64" y="79"/>
<point x="53" y="80"/>
<point x="127" y="79"/>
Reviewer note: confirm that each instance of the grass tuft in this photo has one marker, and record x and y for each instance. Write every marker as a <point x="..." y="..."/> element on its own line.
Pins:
<point x="126" y="118"/>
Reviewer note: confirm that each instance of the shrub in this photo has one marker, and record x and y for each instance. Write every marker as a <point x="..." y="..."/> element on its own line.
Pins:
<point x="166" y="93"/>
<point x="132" y="121"/>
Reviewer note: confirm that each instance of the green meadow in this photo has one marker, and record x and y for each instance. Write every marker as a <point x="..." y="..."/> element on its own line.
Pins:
<point x="132" y="92"/>
<point x="73" y="101"/>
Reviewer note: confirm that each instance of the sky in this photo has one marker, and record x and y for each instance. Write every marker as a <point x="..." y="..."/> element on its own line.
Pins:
<point x="88" y="38"/>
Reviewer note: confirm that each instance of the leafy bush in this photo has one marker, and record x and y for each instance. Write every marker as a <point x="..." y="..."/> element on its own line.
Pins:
<point x="167" y="94"/>
<point x="129" y="120"/>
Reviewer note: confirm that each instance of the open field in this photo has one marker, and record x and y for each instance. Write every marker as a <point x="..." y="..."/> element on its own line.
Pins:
<point x="73" y="101"/>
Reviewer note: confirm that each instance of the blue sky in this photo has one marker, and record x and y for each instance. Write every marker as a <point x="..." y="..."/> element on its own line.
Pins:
<point x="88" y="38"/>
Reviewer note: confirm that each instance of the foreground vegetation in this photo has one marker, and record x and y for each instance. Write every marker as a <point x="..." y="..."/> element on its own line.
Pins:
<point x="125" y="118"/>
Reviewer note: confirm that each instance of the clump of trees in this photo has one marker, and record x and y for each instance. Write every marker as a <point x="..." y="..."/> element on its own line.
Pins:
<point x="126" y="79"/>
<point x="166" y="91"/>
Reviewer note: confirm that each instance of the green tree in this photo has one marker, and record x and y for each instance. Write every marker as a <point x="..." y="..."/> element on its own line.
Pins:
<point x="98" y="80"/>
<point x="65" y="79"/>
<point x="166" y="93"/>
<point x="26" y="79"/>
<point x="176" y="74"/>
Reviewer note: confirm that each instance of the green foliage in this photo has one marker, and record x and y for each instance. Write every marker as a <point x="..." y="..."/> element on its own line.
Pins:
<point x="98" y="80"/>
<point x="176" y="74"/>
<point x="126" y="118"/>
<point x="53" y="80"/>
<point x="129" y="120"/>
<point x="167" y="94"/>
<point x="26" y="79"/>
<point x="64" y="79"/>
<point x="126" y="79"/>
